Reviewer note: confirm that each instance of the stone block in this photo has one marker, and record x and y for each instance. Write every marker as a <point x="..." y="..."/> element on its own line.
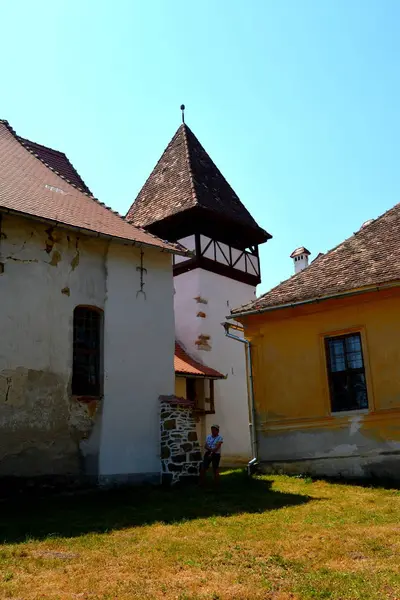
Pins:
<point x="192" y="436"/>
<point x="178" y="458"/>
<point x="165" y="452"/>
<point x="187" y="447"/>
<point x="193" y="470"/>
<point x="174" y="468"/>
<point x="170" y="424"/>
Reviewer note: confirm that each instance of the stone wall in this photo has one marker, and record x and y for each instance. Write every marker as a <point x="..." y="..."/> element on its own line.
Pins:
<point x="180" y="449"/>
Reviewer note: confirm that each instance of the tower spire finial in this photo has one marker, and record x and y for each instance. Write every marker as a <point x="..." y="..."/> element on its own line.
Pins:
<point x="183" y="112"/>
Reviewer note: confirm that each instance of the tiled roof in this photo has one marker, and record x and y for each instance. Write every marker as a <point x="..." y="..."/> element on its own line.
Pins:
<point x="185" y="177"/>
<point x="369" y="257"/>
<point x="58" y="161"/>
<point x="30" y="187"/>
<point x="186" y="365"/>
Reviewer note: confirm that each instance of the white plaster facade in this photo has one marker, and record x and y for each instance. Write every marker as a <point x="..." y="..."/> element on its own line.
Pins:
<point x="139" y="342"/>
<point x="43" y="429"/>
<point x="215" y="295"/>
<point x="300" y="262"/>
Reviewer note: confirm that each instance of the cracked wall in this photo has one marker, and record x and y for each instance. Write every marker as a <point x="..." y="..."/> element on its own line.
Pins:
<point x="47" y="272"/>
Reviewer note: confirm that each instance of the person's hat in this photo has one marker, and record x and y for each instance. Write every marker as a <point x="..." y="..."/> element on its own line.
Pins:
<point x="215" y="427"/>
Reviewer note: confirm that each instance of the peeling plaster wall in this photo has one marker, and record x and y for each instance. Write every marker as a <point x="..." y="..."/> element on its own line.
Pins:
<point x="295" y="427"/>
<point x="139" y="342"/>
<point x="47" y="273"/>
<point x="200" y="291"/>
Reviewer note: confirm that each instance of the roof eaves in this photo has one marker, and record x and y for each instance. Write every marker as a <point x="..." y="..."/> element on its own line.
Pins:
<point x="346" y="293"/>
<point x="198" y="375"/>
<point x="168" y="247"/>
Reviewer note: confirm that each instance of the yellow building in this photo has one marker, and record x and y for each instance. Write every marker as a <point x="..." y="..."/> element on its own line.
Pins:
<point x="325" y="348"/>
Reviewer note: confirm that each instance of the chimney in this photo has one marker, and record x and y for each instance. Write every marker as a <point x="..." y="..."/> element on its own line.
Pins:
<point x="300" y="258"/>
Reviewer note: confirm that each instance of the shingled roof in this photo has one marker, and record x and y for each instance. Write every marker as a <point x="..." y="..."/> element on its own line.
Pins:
<point x="185" y="365"/>
<point x="58" y="161"/>
<point x="370" y="257"/>
<point x="185" y="177"/>
<point x="33" y="188"/>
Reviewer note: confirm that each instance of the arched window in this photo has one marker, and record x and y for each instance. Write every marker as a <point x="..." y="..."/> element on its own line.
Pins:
<point x="86" y="378"/>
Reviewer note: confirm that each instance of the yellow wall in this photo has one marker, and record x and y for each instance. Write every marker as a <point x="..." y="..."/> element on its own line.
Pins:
<point x="180" y="387"/>
<point x="290" y="374"/>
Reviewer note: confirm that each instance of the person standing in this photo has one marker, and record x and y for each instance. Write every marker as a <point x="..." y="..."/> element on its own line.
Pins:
<point x="212" y="454"/>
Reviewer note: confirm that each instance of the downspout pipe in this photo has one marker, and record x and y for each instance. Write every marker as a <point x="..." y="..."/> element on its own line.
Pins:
<point x="252" y="425"/>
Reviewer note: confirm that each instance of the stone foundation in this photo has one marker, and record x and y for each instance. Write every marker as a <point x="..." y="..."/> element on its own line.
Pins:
<point x="180" y="449"/>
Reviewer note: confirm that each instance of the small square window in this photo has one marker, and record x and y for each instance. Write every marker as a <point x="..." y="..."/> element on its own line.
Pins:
<point x="346" y="373"/>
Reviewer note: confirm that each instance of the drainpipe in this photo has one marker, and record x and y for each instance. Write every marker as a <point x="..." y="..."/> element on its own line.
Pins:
<point x="252" y="425"/>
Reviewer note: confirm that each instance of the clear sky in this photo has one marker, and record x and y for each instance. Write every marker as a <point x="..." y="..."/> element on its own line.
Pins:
<point x="296" y="101"/>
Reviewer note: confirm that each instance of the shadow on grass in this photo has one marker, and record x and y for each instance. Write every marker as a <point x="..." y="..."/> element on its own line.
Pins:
<point x="40" y="516"/>
<point x="370" y="482"/>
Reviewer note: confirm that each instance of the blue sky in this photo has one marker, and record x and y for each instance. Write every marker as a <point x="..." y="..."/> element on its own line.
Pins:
<point x="296" y="101"/>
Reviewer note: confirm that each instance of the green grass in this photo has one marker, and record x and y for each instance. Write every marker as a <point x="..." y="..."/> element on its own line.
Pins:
<point x="269" y="537"/>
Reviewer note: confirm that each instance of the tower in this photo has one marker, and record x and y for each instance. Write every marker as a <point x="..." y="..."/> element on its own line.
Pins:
<point x="187" y="199"/>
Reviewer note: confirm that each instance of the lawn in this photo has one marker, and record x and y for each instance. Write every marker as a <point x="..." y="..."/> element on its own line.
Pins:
<point x="269" y="537"/>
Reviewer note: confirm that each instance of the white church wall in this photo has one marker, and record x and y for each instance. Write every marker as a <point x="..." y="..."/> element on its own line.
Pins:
<point x="186" y="307"/>
<point x="47" y="273"/>
<point x="220" y="294"/>
<point x="138" y="363"/>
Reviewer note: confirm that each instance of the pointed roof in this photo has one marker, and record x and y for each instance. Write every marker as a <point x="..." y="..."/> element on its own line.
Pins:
<point x="184" y="178"/>
<point x="367" y="259"/>
<point x="31" y="187"/>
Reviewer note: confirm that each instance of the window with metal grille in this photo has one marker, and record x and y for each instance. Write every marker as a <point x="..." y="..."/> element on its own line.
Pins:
<point x="347" y="383"/>
<point x="87" y="351"/>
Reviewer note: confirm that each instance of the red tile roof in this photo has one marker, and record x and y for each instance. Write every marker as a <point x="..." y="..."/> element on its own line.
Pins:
<point x="33" y="188"/>
<point x="58" y="161"/>
<point x="184" y="178"/>
<point x="186" y="365"/>
<point x="370" y="257"/>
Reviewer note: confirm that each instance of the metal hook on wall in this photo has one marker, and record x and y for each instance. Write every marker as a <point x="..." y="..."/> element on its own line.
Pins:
<point x="141" y="270"/>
